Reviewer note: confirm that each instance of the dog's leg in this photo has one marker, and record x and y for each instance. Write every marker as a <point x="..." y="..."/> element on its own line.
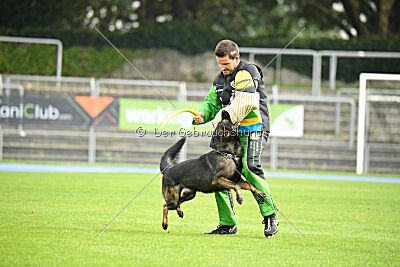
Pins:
<point x="179" y="210"/>
<point x="165" y="217"/>
<point x="186" y="195"/>
<point x="248" y="186"/>
<point x="228" y="184"/>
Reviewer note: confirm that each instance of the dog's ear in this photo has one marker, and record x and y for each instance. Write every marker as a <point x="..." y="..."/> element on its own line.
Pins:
<point x="226" y="116"/>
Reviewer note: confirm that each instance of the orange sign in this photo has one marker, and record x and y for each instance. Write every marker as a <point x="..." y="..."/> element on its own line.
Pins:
<point x="94" y="105"/>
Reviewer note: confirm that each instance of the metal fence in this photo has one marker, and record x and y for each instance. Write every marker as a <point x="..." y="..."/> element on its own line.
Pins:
<point x="317" y="61"/>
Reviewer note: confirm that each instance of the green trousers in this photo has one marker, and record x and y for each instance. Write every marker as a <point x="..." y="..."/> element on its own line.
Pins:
<point x="252" y="147"/>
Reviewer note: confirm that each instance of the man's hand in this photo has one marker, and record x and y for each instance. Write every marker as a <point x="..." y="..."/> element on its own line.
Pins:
<point x="199" y="118"/>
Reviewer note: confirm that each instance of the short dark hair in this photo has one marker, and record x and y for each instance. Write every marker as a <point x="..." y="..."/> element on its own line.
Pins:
<point x="227" y="47"/>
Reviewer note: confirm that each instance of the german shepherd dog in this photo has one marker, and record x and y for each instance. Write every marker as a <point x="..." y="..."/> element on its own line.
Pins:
<point x="218" y="170"/>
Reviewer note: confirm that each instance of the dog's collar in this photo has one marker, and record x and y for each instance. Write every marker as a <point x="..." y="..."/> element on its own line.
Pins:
<point x="229" y="155"/>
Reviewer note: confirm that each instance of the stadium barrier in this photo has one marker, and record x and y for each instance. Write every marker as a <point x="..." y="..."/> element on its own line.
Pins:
<point x="321" y="147"/>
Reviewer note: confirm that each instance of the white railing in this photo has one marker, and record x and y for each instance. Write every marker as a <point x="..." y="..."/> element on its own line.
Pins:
<point x="335" y="54"/>
<point x="317" y="60"/>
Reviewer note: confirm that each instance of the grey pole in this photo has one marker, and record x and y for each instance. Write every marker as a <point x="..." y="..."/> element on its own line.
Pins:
<point x="274" y="154"/>
<point x="93" y="89"/>
<point x="332" y="71"/>
<point x="92" y="146"/>
<point x="1" y="143"/>
<point x="278" y="71"/>
<point x="316" y="79"/>
<point x="182" y="92"/>
<point x="251" y="57"/>
<point x="182" y="96"/>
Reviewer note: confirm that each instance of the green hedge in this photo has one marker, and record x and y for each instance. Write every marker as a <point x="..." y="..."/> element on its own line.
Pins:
<point x="28" y="59"/>
<point x="192" y="38"/>
<point x="91" y="61"/>
<point x="38" y="59"/>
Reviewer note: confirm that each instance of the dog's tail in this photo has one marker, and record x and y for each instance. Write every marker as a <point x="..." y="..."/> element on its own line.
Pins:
<point x="169" y="158"/>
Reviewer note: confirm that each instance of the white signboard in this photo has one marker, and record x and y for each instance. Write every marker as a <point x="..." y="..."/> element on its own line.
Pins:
<point x="286" y="120"/>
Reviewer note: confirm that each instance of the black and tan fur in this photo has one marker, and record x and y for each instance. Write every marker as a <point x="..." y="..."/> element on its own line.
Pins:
<point x="211" y="172"/>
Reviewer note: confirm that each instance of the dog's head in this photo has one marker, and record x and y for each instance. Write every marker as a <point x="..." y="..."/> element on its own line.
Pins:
<point x="225" y="137"/>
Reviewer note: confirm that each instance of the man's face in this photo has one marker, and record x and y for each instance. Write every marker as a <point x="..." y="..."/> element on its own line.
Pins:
<point x="227" y="65"/>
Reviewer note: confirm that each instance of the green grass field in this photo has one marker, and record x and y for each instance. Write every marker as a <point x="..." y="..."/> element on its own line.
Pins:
<point x="52" y="218"/>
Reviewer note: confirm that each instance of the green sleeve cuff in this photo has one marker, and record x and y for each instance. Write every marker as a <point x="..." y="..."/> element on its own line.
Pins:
<point x="210" y="107"/>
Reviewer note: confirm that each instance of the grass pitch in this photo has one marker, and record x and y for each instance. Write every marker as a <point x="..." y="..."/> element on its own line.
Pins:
<point x="52" y="219"/>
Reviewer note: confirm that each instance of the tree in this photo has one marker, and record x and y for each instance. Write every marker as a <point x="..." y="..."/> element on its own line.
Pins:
<point x="246" y="18"/>
<point x="20" y="14"/>
<point x="356" y="18"/>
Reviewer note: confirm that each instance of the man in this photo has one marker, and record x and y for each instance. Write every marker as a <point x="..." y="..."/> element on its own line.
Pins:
<point x="239" y="89"/>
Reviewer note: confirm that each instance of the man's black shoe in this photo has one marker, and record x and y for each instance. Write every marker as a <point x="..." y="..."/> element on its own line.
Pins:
<point x="271" y="225"/>
<point x="224" y="230"/>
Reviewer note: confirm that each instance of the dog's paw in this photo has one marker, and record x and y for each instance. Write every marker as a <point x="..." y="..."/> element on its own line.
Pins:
<point x="165" y="226"/>
<point x="180" y="214"/>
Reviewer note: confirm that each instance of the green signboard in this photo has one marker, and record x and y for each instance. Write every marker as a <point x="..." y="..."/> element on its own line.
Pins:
<point x="150" y="114"/>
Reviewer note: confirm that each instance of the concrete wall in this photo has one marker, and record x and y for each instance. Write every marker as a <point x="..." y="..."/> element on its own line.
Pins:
<point x="168" y="64"/>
